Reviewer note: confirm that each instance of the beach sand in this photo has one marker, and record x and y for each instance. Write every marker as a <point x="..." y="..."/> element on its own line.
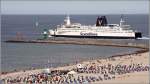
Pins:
<point x="128" y="78"/>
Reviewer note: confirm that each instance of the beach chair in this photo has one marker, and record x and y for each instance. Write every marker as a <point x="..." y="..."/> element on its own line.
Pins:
<point x="100" y="78"/>
<point x="97" y="79"/>
<point x="87" y="79"/>
<point x="92" y="78"/>
<point x="75" y="81"/>
<point x="71" y="81"/>
<point x="66" y="81"/>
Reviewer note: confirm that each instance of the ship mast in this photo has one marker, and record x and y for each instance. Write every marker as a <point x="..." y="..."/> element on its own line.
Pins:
<point x="122" y="21"/>
<point x="67" y="21"/>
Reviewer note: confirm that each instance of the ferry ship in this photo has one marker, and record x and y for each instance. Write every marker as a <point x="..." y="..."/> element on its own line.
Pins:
<point x="100" y="30"/>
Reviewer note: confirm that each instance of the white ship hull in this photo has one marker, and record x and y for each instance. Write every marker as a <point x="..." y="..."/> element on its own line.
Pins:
<point x="103" y="37"/>
<point x="100" y="30"/>
<point x="96" y="35"/>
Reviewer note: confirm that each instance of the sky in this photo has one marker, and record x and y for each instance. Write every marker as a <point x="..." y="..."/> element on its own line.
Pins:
<point x="75" y="7"/>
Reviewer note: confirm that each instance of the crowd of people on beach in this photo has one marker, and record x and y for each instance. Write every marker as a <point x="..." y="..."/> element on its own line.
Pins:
<point x="117" y="69"/>
<point x="85" y="74"/>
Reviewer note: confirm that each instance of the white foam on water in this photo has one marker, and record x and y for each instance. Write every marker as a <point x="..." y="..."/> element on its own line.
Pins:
<point x="144" y="38"/>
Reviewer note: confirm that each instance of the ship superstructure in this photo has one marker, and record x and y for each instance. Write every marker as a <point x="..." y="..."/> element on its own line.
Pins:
<point x="100" y="30"/>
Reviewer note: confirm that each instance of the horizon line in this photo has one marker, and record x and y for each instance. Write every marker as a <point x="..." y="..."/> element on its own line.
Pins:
<point x="81" y="14"/>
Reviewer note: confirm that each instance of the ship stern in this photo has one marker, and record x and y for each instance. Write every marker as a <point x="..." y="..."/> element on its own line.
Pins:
<point x="138" y="35"/>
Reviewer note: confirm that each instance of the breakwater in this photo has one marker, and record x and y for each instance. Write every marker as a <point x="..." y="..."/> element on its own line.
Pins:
<point x="84" y="42"/>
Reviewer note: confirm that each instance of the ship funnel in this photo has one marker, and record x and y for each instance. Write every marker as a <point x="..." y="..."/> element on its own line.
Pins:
<point x="98" y="21"/>
<point x="101" y="21"/>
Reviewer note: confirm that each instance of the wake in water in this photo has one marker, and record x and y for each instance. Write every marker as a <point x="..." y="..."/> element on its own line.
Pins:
<point x="145" y="38"/>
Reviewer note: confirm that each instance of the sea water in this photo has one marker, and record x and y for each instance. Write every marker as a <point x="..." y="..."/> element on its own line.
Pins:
<point x="26" y="55"/>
